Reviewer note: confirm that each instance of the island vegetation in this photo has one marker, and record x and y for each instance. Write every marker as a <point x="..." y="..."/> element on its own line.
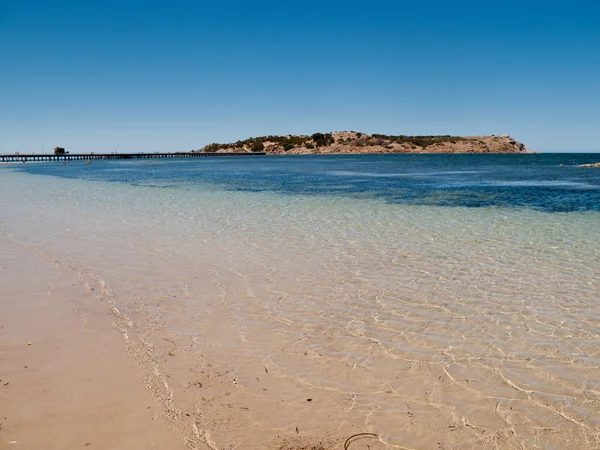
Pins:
<point x="354" y="142"/>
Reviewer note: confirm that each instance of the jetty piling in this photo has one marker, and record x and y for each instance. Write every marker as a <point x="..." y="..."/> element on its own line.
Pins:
<point x="95" y="156"/>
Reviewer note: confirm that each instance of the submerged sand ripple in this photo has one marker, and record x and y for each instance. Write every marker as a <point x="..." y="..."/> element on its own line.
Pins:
<point x="431" y="327"/>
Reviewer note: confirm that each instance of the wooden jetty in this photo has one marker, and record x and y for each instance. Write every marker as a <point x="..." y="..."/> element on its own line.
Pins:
<point x="92" y="156"/>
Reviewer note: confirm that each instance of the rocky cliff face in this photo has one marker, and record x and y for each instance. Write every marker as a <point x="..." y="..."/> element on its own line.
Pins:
<point x="352" y="142"/>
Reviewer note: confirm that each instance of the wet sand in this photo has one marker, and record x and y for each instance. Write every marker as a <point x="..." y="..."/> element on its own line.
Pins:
<point x="260" y="321"/>
<point x="67" y="381"/>
<point x="73" y="374"/>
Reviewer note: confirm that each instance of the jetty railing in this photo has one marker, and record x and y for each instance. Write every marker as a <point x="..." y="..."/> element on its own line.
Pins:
<point x="93" y="156"/>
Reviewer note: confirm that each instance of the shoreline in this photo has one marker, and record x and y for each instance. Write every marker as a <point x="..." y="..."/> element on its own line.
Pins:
<point x="67" y="379"/>
<point x="286" y="331"/>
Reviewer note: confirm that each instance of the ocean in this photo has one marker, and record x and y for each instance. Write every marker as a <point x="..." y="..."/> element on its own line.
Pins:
<point x="438" y="301"/>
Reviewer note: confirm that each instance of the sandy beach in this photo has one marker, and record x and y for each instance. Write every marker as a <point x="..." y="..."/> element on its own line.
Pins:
<point x="67" y="381"/>
<point x="299" y="225"/>
<point x="165" y="311"/>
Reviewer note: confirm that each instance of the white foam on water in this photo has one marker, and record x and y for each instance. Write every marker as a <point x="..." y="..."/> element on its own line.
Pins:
<point x="542" y="183"/>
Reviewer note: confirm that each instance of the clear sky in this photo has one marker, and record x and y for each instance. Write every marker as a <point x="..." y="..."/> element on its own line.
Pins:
<point x="170" y="76"/>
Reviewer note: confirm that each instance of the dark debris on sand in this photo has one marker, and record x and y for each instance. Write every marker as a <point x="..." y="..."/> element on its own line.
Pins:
<point x="297" y="445"/>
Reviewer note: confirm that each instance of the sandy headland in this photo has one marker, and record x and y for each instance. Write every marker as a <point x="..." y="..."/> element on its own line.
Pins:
<point x="354" y="142"/>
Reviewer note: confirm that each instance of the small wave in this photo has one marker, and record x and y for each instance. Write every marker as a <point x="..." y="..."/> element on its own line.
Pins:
<point x="404" y="174"/>
<point x="542" y="183"/>
<point x="122" y="169"/>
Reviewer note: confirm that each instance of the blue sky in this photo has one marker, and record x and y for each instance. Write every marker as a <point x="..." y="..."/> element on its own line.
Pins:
<point x="170" y="76"/>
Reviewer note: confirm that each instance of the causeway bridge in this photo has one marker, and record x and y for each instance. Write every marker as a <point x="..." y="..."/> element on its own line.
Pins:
<point x="91" y="156"/>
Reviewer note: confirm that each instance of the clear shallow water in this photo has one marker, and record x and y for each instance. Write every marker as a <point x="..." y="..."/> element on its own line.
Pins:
<point x="440" y="302"/>
<point x="535" y="181"/>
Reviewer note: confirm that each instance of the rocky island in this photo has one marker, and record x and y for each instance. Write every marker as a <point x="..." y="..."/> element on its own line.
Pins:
<point x="354" y="142"/>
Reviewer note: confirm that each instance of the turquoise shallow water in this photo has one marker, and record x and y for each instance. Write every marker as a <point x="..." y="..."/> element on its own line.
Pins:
<point x="550" y="182"/>
<point x="450" y="299"/>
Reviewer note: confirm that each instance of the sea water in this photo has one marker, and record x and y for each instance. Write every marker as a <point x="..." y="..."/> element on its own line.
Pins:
<point x="438" y="301"/>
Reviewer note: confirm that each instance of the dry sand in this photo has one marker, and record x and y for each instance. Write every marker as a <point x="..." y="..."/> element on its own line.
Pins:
<point x="67" y="381"/>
